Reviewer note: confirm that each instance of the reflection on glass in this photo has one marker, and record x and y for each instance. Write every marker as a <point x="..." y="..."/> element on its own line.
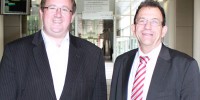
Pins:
<point x="98" y="32"/>
<point x="91" y="30"/>
<point x="122" y="8"/>
<point x="125" y="44"/>
<point x="33" y="23"/>
<point x="32" y="20"/>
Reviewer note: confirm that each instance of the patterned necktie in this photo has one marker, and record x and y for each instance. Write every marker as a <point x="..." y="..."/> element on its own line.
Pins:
<point x="138" y="83"/>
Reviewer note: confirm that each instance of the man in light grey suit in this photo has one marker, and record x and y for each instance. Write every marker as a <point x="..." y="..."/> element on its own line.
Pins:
<point x="52" y="64"/>
<point x="167" y="75"/>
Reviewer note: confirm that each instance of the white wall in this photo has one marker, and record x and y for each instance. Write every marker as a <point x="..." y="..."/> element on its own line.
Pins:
<point x="170" y="10"/>
<point x="196" y="37"/>
<point x="1" y="36"/>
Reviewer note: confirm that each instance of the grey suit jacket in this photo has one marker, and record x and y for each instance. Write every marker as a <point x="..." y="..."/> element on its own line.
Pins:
<point x="25" y="72"/>
<point x="176" y="76"/>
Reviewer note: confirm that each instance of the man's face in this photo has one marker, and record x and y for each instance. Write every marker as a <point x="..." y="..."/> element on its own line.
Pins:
<point x="56" y="22"/>
<point x="148" y="28"/>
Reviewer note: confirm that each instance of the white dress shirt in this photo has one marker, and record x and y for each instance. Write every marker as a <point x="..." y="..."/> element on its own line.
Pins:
<point x="58" y="60"/>
<point x="153" y="55"/>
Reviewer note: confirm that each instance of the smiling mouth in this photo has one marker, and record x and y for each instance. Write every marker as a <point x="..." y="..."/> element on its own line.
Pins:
<point x="147" y="34"/>
<point x="57" y="22"/>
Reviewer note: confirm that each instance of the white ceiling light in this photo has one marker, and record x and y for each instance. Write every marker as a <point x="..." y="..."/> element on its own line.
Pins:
<point x="160" y="0"/>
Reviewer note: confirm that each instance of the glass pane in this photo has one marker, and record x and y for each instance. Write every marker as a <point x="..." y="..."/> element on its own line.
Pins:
<point x="123" y="0"/>
<point x="123" y="26"/>
<point x="134" y="6"/>
<point x="125" y="44"/>
<point x="33" y="21"/>
<point x="122" y="8"/>
<point x="98" y="32"/>
<point x="90" y="30"/>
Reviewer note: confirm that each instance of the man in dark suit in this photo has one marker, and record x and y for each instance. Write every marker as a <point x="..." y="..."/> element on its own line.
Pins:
<point x="154" y="71"/>
<point x="52" y="64"/>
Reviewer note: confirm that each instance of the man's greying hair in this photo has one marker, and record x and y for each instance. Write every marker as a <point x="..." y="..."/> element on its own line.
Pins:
<point x="151" y="4"/>
<point x="42" y="4"/>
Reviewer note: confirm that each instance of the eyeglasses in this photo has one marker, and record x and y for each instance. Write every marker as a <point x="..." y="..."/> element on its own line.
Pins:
<point x="153" y="22"/>
<point x="53" y="9"/>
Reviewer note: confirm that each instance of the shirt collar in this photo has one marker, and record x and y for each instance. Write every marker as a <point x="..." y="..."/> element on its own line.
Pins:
<point x="48" y="41"/>
<point x="154" y="53"/>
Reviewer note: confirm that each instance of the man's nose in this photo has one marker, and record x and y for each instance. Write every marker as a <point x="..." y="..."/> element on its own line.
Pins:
<point x="148" y="25"/>
<point x="58" y="12"/>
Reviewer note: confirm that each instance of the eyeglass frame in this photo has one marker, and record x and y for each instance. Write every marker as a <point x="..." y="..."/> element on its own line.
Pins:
<point x="156" y="21"/>
<point x="54" y="9"/>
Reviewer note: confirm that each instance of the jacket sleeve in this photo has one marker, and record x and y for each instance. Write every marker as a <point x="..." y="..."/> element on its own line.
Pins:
<point x="7" y="77"/>
<point x="191" y="82"/>
<point x="100" y="90"/>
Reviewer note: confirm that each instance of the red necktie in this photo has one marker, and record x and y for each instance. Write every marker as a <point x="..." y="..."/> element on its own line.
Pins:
<point x="138" y="83"/>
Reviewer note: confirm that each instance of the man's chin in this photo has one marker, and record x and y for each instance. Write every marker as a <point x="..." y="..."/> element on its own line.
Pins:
<point x="57" y="30"/>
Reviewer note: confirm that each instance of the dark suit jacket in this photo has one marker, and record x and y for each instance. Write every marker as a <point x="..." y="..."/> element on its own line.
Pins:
<point x="25" y="72"/>
<point x="176" y="77"/>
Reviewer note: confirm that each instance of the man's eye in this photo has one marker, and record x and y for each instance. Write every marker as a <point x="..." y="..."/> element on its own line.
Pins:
<point x="154" y="21"/>
<point x="142" y="21"/>
<point x="52" y="8"/>
<point x="65" y="9"/>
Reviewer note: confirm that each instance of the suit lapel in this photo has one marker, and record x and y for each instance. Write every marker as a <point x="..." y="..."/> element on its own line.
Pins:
<point x="42" y="62"/>
<point x="126" y="73"/>
<point x="74" y="63"/>
<point x="160" y="72"/>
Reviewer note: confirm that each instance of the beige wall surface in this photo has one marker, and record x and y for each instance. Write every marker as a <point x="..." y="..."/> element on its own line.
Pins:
<point x="12" y="28"/>
<point x="184" y="26"/>
<point x="184" y="39"/>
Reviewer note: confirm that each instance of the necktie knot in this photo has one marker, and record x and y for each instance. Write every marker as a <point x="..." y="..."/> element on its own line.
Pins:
<point x="144" y="59"/>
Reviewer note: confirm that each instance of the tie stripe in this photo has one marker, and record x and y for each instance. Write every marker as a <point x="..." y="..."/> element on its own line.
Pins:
<point x="138" y="83"/>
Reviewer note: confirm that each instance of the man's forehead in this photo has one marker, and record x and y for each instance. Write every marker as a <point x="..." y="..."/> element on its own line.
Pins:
<point x="153" y="12"/>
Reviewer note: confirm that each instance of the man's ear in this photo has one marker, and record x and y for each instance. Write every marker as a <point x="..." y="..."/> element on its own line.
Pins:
<point x="133" y="29"/>
<point x="164" y="31"/>
<point x="73" y="16"/>
<point x="41" y="12"/>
